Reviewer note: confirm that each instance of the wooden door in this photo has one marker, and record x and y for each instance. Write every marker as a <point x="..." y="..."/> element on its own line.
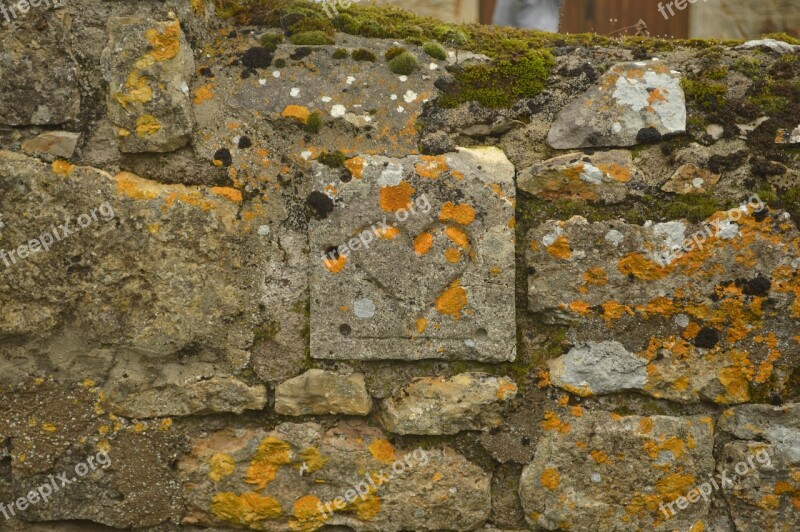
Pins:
<point x="607" y="17"/>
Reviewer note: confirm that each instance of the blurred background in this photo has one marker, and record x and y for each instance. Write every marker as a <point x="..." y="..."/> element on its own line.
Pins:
<point x="723" y="19"/>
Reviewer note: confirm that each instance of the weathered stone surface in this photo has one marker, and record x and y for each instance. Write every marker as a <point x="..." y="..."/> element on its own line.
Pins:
<point x="438" y="405"/>
<point x="691" y="179"/>
<point x="148" y="66"/>
<point x="282" y="480"/>
<point x="604" y="176"/>
<point x="53" y="427"/>
<point x="784" y="136"/>
<point x="601" y="471"/>
<point x="58" y="143"/>
<point x="318" y="392"/>
<point x="632" y="103"/>
<point x="765" y="489"/>
<point x="39" y="81"/>
<point x="434" y="274"/>
<point x="698" y="318"/>
<point x="598" y="368"/>
<point x="773" y="44"/>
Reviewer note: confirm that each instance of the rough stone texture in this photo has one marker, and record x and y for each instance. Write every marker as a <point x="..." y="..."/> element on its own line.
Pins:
<point x="437" y="405"/>
<point x="39" y="85"/>
<point x="691" y="179"/>
<point x="599" y="368"/>
<point x="696" y="346"/>
<point x="764" y="492"/>
<point x="579" y="477"/>
<point x="605" y="176"/>
<point x="148" y="66"/>
<point x="435" y="282"/>
<point x="629" y="98"/>
<point x="58" y="143"/>
<point x="254" y="478"/>
<point x="318" y="392"/>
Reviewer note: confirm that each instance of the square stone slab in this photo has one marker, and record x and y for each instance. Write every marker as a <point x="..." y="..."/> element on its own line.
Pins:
<point x="431" y="274"/>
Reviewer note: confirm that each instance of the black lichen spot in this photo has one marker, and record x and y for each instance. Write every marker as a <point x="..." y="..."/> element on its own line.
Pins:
<point x="761" y="215"/>
<point x="257" y="57"/>
<point x="244" y="142"/>
<point x="223" y="155"/>
<point x="763" y="167"/>
<point x="301" y="52"/>
<point x="205" y="71"/>
<point x="320" y="204"/>
<point x="245" y="73"/>
<point x="756" y="287"/>
<point x="232" y="34"/>
<point x="648" y="135"/>
<point x="345" y="329"/>
<point x="706" y="338"/>
<point x="345" y="176"/>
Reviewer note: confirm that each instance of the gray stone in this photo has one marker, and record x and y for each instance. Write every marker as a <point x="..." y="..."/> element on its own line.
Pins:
<point x="784" y="136"/>
<point x="148" y="66"/>
<point x="598" y="368"/>
<point x="778" y="425"/>
<point x="775" y="45"/>
<point x="607" y="472"/>
<point x="605" y="176"/>
<point x="39" y="82"/>
<point x="318" y="392"/>
<point x="629" y="98"/>
<point x="283" y="480"/>
<point x="431" y="272"/>
<point x="439" y="405"/>
<point x="58" y="143"/>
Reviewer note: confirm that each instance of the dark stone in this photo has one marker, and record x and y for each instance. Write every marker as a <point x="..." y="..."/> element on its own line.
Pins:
<point x="648" y="135"/>
<point x="205" y="71"/>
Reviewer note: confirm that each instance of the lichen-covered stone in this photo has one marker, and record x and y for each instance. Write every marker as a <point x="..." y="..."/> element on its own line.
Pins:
<point x="148" y="65"/>
<point x="697" y="316"/>
<point x="282" y="480"/>
<point x="605" y="176"/>
<point x="439" y="405"/>
<point x="318" y="392"/>
<point x="431" y="271"/>
<point x="632" y="103"/>
<point x="691" y="179"/>
<point x="764" y="492"/>
<point x="602" y="471"/>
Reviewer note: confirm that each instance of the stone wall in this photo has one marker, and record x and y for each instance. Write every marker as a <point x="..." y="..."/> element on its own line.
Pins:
<point x="266" y="269"/>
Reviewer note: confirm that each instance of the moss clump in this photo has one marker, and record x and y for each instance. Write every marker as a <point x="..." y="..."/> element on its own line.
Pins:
<point x="314" y="123"/>
<point x="311" y="38"/>
<point x="341" y="53"/>
<point x="751" y="67"/>
<point x="790" y="201"/>
<point x="434" y="50"/>
<point x="501" y="82"/>
<point x="362" y="54"/>
<point x="782" y="37"/>
<point x="451" y="35"/>
<point x="393" y="52"/>
<point x="279" y="63"/>
<point x="271" y="40"/>
<point x="707" y="95"/>
<point x="333" y="159"/>
<point x="404" y="64"/>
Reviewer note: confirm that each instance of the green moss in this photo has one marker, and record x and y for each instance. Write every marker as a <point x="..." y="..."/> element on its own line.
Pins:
<point x="333" y="159"/>
<point x="717" y="74"/>
<point x="279" y="63"/>
<point x="362" y="54"/>
<point x="271" y="40"/>
<point x="314" y="123"/>
<point x="434" y="50"/>
<point x="393" y="52"/>
<point x="451" y="35"/>
<point x="501" y="82"/>
<point x="707" y="95"/>
<point x="782" y="37"/>
<point x="341" y="53"/>
<point x="403" y="64"/>
<point x="752" y="67"/>
<point x="790" y="201"/>
<point x="266" y="331"/>
<point x="311" y="38"/>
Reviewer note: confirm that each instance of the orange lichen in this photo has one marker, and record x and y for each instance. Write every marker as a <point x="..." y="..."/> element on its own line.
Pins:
<point x="560" y="248"/>
<point x="165" y="45"/>
<point x="550" y="479"/>
<point x="506" y="390"/>
<point x="645" y="425"/>
<point x="271" y="454"/>
<point x="335" y="265"/>
<point x="770" y="502"/>
<point x="298" y="112"/>
<point x="307" y="514"/>
<point x="461" y="214"/>
<point x="203" y="93"/>
<point x="395" y="198"/>
<point x="366" y="509"/>
<point x="458" y="236"/>
<point x="576" y="411"/>
<point x="222" y="465"/>
<point x="452" y="301"/>
<point x="422" y="324"/>
<point x="423" y="243"/>
<point x="356" y="166"/>
<point x="311" y="460"/>
<point x="228" y="192"/>
<point x="62" y="167"/>
<point x="675" y="485"/>
<point x="640" y="267"/>
<point x="595" y="276"/>
<point x="580" y="307"/>
<point x="431" y="166"/>
<point x="600" y="457"/>
<point x="382" y="450"/>
<point x="387" y="233"/>
<point x="552" y="422"/>
<point x="244" y="509"/>
<point x="452" y="255"/>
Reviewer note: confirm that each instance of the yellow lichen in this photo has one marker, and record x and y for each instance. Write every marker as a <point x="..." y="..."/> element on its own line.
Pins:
<point x="244" y="509"/>
<point x="560" y="248"/>
<point x="222" y="465"/>
<point x="147" y="125"/>
<point x="550" y="479"/>
<point x="462" y="214"/>
<point x="382" y="450"/>
<point x="452" y="301"/>
<point x="397" y="197"/>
